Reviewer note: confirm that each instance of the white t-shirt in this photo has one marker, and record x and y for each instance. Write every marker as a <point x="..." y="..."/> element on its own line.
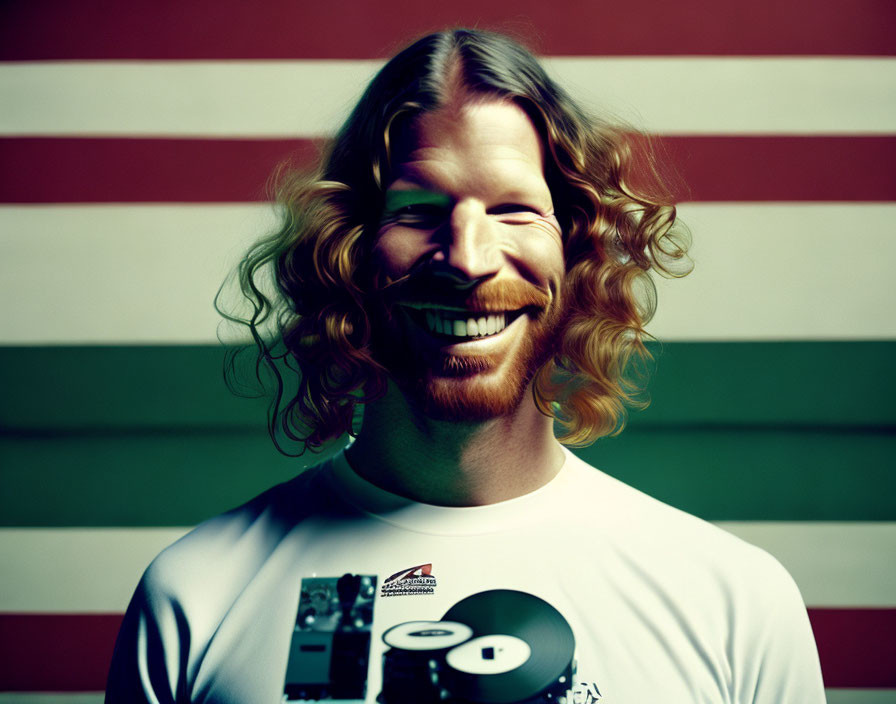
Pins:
<point x="664" y="607"/>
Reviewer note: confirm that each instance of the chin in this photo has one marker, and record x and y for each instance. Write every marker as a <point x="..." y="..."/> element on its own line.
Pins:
<point x="475" y="397"/>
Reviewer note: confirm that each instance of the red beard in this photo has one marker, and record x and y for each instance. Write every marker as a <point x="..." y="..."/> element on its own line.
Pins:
<point x="468" y="386"/>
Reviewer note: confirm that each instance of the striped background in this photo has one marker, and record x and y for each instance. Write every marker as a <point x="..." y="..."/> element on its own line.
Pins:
<point x="135" y="139"/>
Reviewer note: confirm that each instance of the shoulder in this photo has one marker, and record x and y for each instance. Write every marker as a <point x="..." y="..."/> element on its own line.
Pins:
<point x="676" y="546"/>
<point x="228" y="549"/>
<point x="713" y="581"/>
<point x="189" y="588"/>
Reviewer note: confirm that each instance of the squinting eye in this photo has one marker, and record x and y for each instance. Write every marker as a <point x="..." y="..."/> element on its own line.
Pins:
<point x="509" y="208"/>
<point x="421" y="215"/>
<point x="421" y="210"/>
<point x="515" y="214"/>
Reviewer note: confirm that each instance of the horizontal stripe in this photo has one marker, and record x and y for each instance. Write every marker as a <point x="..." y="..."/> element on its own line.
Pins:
<point x="347" y="29"/>
<point x="149" y="274"/>
<point x="700" y="168"/>
<point x="77" y="570"/>
<point x="799" y="385"/>
<point x="95" y="570"/>
<point x="781" y="272"/>
<point x="73" y="170"/>
<point x="180" y="477"/>
<point x="855" y="647"/>
<point x="58" y="698"/>
<point x="669" y="95"/>
<point x="834" y="696"/>
<point x="845" y="696"/>
<point x="756" y="473"/>
<point x="833" y="564"/>
<point x="179" y="253"/>
<point x="56" y="652"/>
<point x="760" y="168"/>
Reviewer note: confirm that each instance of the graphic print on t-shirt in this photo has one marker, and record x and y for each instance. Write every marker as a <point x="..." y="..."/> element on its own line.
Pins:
<point x="330" y="648"/>
<point x="499" y="645"/>
<point x="410" y="581"/>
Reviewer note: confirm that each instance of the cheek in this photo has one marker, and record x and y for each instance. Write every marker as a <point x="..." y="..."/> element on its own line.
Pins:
<point x="540" y="248"/>
<point x="397" y="249"/>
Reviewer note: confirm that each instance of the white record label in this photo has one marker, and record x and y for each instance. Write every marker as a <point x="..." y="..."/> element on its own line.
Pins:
<point x="427" y="635"/>
<point x="489" y="655"/>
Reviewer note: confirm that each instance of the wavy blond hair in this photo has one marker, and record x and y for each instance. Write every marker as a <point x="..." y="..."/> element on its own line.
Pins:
<point x="318" y="349"/>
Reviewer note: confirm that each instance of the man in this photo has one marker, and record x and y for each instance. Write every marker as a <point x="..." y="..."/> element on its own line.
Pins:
<point x="470" y="265"/>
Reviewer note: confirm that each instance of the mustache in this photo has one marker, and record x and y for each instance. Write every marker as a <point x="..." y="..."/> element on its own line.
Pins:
<point x="489" y="296"/>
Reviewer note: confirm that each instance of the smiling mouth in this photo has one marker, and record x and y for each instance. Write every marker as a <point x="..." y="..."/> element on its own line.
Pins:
<point x="453" y="325"/>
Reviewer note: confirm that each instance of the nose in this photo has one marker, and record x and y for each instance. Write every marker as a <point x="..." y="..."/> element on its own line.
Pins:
<point x="471" y="248"/>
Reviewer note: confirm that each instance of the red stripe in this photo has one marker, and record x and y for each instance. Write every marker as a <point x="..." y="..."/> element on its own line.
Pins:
<point x="762" y="168"/>
<point x="71" y="652"/>
<point x="857" y="647"/>
<point x="51" y="170"/>
<point x="66" y="170"/>
<point x="56" y="652"/>
<point x="354" y="29"/>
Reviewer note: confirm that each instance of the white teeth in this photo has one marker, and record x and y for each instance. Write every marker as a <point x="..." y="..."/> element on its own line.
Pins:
<point x="446" y="322"/>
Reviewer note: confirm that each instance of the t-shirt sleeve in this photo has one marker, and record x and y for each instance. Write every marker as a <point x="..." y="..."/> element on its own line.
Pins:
<point x="149" y="657"/>
<point x="780" y="664"/>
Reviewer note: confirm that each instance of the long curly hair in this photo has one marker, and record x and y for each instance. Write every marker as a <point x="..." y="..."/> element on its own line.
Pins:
<point x="308" y="288"/>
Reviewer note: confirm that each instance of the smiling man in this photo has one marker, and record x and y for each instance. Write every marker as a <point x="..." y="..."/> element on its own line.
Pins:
<point x="471" y="266"/>
<point x="471" y="215"/>
<point x="469" y="255"/>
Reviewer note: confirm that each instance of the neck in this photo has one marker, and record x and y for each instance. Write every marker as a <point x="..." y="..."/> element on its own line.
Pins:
<point x="454" y="463"/>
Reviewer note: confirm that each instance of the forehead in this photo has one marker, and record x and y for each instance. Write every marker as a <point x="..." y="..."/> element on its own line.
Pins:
<point x="469" y="134"/>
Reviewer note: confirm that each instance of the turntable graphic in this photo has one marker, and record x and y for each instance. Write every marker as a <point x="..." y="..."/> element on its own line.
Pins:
<point x="496" y="647"/>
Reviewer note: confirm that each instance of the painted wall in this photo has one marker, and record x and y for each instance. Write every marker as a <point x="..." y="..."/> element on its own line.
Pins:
<point x="135" y="140"/>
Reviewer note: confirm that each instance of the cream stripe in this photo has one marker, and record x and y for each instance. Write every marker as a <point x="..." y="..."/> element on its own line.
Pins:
<point x="148" y="274"/>
<point x="687" y="95"/>
<point x="672" y="95"/>
<point x="57" y="570"/>
<point x="105" y="274"/>
<point x="858" y="696"/>
<point x="834" y="563"/>
<point x="834" y="696"/>
<point x="96" y="569"/>
<point x="788" y="271"/>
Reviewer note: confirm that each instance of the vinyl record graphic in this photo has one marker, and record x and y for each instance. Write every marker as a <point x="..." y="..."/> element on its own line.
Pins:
<point x="427" y="636"/>
<point x="492" y="668"/>
<point x="489" y="655"/>
<point x="415" y="650"/>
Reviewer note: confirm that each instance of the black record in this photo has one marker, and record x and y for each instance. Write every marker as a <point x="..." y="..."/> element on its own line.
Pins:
<point x="520" y="616"/>
<point x="415" y="650"/>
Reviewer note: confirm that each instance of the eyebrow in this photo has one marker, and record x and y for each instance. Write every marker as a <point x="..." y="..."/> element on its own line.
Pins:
<point x="398" y="199"/>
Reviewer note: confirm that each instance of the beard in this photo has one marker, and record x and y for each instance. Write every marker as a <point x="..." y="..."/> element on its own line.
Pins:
<point x="468" y="386"/>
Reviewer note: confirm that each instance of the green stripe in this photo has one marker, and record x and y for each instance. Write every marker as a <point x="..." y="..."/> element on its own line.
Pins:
<point x="153" y="478"/>
<point x="801" y="383"/>
<point x="178" y="479"/>
<point x="758" y="473"/>
<point x="771" y="383"/>
<point x="149" y="436"/>
<point x="120" y="387"/>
